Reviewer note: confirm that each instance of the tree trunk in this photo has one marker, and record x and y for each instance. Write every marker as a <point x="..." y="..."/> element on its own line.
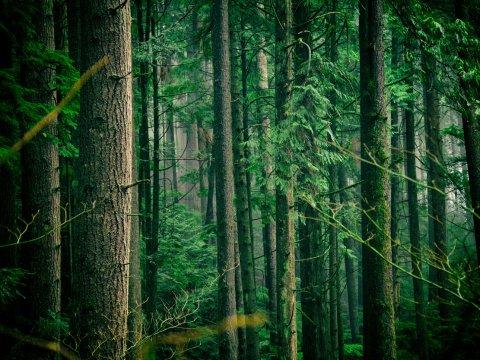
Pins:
<point x="286" y="303"/>
<point x="471" y="123"/>
<point x="104" y="168"/>
<point x="437" y="229"/>
<point x="396" y="158"/>
<point x="135" y="277"/>
<point x="41" y="187"/>
<point x="245" y="243"/>
<point x="267" y="189"/>
<point x="226" y="232"/>
<point x="378" y="315"/>
<point x="349" y="243"/>
<point x="414" y="224"/>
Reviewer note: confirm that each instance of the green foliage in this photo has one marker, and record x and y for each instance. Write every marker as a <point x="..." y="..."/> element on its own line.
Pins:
<point x="353" y="351"/>
<point x="10" y="282"/>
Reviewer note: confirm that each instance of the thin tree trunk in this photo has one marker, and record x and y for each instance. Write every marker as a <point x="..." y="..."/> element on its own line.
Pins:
<point x="286" y="303"/>
<point x="267" y="189"/>
<point x="245" y="243"/>
<point x="436" y="191"/>
<point x="414" y="225"/>
<point x="241" y="331"/>
<point x="41" y="187"/>
<point x="378" y="314"/>
<point x="349" y="243"/>
<point x="104" y="175"/>
<point x="226" y="232"/>
<point x="396" y="158"/>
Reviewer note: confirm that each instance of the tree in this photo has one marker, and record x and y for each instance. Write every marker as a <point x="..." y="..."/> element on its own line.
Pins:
<point x="378" y="314"/>
<point x="245" y="237"/>
<point x="413" y="216"/>
<point x="224" y="183"/>
<point x="41" y="183"/>
<point x="286" y="312"/>
<point x="104" y="169"/>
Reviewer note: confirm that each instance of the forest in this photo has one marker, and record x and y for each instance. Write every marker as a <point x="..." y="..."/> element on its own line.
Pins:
<point x="240" y="179"/>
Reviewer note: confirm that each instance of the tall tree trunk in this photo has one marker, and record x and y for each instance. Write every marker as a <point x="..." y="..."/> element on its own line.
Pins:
<point x="267" y="189"/>
<point x="241" y="331"/>
<point x="41" y="186"/>
<point x="226" y="232"/>
<point x="378" y="314"/>
<point x="437" y="229"/>
<point x="414" y="224"/>
<point x="349" y="243"/>
<point x="396" y="158"/>
<point x="245" y="244"/>
<point x="336" y="328"/>
<point x="286" y="303"/>
<point x="145" y="189"/>
<point x="104" y="175"/>
<point x="471" y="122"/>
<point x="151" y="246"/>
<point x="135" y="276"/>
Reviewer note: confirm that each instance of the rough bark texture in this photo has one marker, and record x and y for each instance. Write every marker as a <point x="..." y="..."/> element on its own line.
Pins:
<point x="245" y="244"/>
<point x="267" y="189"/>
<point x="41" y="186"/>
<point x="286" y="311"/>
<point x="135" y="315"/>
<point x="414" y="225"/>
<point x="226" y="232"/>
<point x="378" y="314"/>
<point x="396" y="158"/>
<point x="437" y="229"/>
<point x="102" y="245"/>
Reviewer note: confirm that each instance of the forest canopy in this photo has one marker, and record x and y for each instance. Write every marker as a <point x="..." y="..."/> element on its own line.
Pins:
<point x="240" y="179"/>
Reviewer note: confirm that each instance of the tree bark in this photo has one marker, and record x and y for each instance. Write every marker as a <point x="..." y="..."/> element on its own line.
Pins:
<point x="286" y="303"/>
<point x="437" y="229"/>
<point x="396" y="158"/>
<point x="245" y="243"/>
<point x="101" y="248"/>
<point x="267" y="189"/>
<point x="226" y="232"/>
<point x="378" y="314"/>
<point x="41" y="187"/>
<point x="414" y="223"/>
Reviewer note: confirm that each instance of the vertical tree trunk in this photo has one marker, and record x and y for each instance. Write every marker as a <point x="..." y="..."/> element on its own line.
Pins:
<point x="145" y="189"/>
<point x="151" y="245"/>
<point x="41" y="186"/>
<point x="286" y="303"/>
<point x="437" y="229"/>
<point x="471" y="124"/>
<point x="102" y="236"/>
<point x="223" y="158"/>
<point x="349" y="243"/>
<point x="245" y="243"/>
<point x="414" y="224"/>
<point x="396" y="158"/>
<point x="378" y="315"/>
<point x="135" y="276"/>
<point x="267" y="189"/>
<point x="241" y="331"/>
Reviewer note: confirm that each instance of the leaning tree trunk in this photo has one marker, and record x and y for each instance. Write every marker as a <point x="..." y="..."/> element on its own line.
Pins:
<point x="101" y="248"/>
<point x="41" y="186"/>
<point x="286" y="303"/>
<point x="414" y="224"/>
<point x="226" y="232"/>
<point x="378" y="314"/>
